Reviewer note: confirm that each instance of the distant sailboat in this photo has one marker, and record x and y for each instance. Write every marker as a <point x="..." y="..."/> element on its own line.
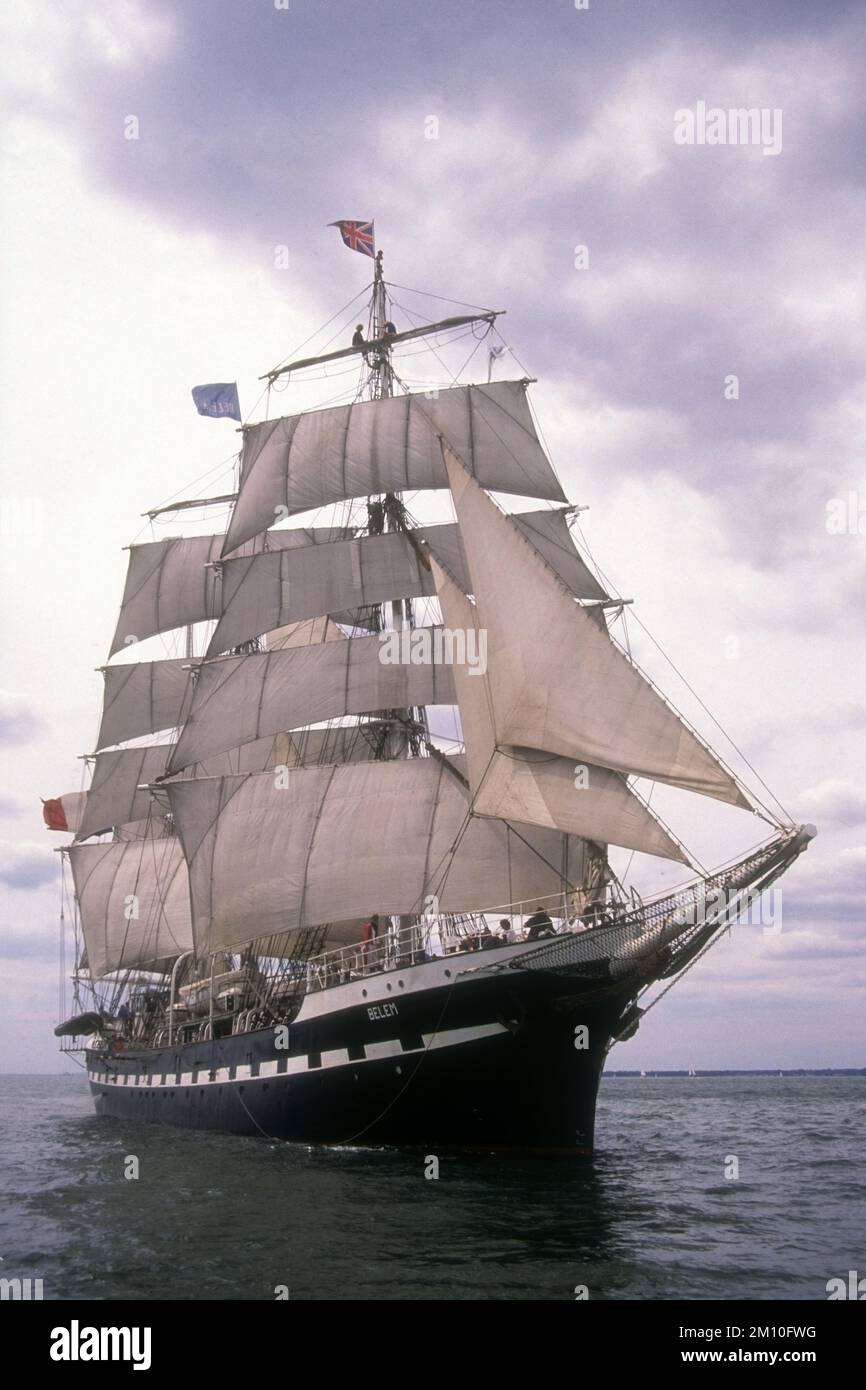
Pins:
<point x="692" y="1071"/>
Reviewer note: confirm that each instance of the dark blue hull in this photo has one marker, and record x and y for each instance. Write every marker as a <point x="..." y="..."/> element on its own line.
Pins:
<point x="490" y="1062"/>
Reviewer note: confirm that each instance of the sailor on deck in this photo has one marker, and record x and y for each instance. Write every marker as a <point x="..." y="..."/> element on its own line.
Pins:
<point x="369" y="933"/>
<point x="538" y="925"/>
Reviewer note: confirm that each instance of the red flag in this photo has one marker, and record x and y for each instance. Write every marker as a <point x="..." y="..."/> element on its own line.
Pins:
<point x="64" y="812"/>
<point x="54" y="815"/>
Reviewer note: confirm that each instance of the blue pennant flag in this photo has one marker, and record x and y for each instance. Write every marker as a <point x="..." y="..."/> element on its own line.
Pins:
<point x="220" y="398"/>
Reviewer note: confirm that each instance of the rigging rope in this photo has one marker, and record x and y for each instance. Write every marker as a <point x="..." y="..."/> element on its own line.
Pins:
<point x="362" y="292"/>
<point x="443" y="299"/>
<point x="724" y="927"/>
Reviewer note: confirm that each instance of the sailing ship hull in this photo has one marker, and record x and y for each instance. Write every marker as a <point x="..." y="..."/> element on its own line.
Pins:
<point x="489" y="1060"/>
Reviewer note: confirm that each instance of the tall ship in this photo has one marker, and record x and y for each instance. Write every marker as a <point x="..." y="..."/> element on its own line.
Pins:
<point x="303" y="904"/>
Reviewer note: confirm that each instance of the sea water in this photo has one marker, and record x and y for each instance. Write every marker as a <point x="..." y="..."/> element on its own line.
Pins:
<point x="702" y="1188"/>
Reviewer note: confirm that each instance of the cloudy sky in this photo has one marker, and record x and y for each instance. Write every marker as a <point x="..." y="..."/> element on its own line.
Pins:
<point x="489" y="141"/>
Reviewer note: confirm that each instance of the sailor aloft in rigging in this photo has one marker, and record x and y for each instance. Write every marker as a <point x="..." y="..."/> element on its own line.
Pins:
<point x="389" y="330"/>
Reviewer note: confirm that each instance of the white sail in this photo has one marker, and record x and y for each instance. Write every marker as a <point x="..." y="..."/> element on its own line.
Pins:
<point x="307" y="461"/>
<point x="134" y="903"/>
<point x="307" y="747"/>
<point x="119" y="793"/>
<point x="557" y="682"/>
<point x="547" y="530"/>
<point x="152" y="828"/>
<point x="539" y="788"/>
<point x="305" y="634"/>
<point x="113" y="798"/>
<point x="325" y="845"/>
<point x="172" y="583"/>
<point x="282" y="586"/>
<point x="143" y="697"/>
<point x="146" y="697"/>
<point x="241" y="698"/>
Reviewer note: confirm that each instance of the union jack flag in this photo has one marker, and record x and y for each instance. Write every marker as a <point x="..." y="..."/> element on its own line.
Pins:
<point x="358" y="236"/>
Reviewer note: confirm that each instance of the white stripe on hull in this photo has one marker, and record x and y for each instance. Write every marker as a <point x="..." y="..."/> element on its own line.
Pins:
<point x="339" y="1057"/>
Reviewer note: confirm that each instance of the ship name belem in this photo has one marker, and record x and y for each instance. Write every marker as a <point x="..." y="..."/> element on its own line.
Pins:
<point x="381" y="1011"/>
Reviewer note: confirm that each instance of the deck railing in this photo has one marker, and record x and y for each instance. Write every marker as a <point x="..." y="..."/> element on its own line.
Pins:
<point x="393" y="949"/>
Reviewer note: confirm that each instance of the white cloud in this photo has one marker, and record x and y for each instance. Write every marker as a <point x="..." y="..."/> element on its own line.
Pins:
<point x="122" y="32"/>
<point x="837" y="800"/>
<point x="40" y="37"/>
<point x="26" y="866"/>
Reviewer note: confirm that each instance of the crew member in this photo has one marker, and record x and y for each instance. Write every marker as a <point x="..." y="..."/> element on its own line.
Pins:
<point x="507" y="932"/>
<point x="538" y="925"/>
<point x="369" y="933"/>
<point x="595" y="914"/>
